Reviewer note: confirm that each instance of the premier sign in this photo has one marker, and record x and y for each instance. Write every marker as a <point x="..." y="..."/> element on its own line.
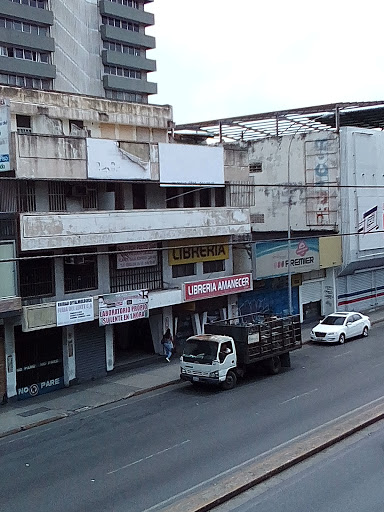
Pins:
<point x="217" y="287"/>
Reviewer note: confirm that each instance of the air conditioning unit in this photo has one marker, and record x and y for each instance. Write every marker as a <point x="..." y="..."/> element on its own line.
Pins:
<point x="78" y="191"/>
<point x="74" y="260"/>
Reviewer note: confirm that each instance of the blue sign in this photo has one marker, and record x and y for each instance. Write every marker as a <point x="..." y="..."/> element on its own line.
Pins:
<point x="40" y="388"/>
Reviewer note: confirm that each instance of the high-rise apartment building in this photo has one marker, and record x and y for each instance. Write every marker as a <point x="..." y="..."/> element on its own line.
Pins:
<point x="93" y="47"/>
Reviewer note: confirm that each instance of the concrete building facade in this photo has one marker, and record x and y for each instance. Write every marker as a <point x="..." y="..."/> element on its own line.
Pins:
<point x="81" y="46"/>
<point x="113" y="234"/>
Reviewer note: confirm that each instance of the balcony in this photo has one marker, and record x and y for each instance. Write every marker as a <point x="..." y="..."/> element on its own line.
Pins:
<point x="126" y="13"/>
<point x="55" y="231"/>
<point x="49" y="156"/>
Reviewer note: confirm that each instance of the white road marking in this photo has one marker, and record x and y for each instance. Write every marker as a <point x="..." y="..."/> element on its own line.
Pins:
<point x="299" y="396"/>
<point x="160" y="505"/>
<point x="343" y="354"/>
<point x="148" y="457"/>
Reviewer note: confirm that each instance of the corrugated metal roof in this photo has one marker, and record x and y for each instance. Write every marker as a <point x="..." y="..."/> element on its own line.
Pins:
<point x="368" y="114"/>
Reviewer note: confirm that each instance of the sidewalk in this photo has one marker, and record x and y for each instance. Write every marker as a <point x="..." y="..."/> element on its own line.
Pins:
<point x="25" y="414"/>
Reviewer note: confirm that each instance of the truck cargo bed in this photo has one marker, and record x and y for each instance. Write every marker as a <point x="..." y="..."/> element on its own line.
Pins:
<point x="255" y="342"/>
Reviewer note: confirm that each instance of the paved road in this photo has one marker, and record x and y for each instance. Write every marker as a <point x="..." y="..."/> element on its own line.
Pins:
<point x="344" y="478"/>
<point x="145" y="451"/>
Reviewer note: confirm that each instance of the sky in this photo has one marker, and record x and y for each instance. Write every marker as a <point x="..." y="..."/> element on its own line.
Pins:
<point x="225" y="58"/>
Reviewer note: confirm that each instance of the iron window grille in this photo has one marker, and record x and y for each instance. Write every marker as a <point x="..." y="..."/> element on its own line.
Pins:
<point x="137" y="278"/>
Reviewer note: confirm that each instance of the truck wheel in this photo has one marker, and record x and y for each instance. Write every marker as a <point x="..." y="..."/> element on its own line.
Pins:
<point x="342" y="339"/>
<point x="274" y="365"/>
<point x="230" y="381"/>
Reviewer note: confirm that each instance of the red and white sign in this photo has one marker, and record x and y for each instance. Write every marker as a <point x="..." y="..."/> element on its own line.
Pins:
<point x="123" y="307"/>
<point x="216" y="287"/>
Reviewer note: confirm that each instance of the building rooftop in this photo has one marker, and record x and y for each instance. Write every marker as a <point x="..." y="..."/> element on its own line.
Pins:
<point x="368" y="114"/>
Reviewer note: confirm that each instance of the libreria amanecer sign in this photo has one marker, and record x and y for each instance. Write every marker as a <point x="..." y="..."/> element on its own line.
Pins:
<point x="216" y="287"/>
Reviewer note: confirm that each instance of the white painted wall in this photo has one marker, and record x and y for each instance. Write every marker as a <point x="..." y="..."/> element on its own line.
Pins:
<point x="10" y="358"/>
<point x="52" y="231"/>
<point x="362" y="180"/>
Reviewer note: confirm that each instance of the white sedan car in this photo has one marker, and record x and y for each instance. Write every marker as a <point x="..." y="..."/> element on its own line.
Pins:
<point x="337" y="327"/>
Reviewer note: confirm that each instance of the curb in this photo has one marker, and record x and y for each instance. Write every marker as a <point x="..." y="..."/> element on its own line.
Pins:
<point x="32" y="425"/>
<point x="257" y="472"/>
<point x="88" y="408"/>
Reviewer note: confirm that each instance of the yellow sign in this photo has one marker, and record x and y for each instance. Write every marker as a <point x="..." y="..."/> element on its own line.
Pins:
<point x="198" y="250"/>
<point x="330" y="251"/>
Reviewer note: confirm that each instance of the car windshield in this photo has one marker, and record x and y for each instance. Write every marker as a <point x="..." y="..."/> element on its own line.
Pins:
<point x="200" y="351"/>
<point x="333" y="320"/>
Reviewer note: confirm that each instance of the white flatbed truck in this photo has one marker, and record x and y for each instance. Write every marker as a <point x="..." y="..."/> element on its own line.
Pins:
<point x="230" y="347"/>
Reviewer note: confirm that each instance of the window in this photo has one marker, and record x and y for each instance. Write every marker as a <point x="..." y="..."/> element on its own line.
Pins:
<point x="57" y="197"/>
<point x="23" y="124"/>
<point x="41" y="4"/>
<point x="119" y="71"/>
<point x="26" y="197"/>
<point x="256" y="167"/>
<point x="213" y="266"/>
<point x="80" y="272"/>
<point x="36" y="277"/>
<point x="124" y="96"/>
<point x="90" y="199"/>
<point x="187" y="269"/>
<point x="115" y="22"/>
<point x="129" y="3"/>
<point x="24" y="81"/>
<point x="138" y="196"/>
<point x="189" y="197"/>
<point x="205" y="197"/>
<point x="23" y="26"/>
<point x="75" y="125"/>
<point x="171" y="200"/>
<point x="220" y="196"/>
<point x="137" y="278"/>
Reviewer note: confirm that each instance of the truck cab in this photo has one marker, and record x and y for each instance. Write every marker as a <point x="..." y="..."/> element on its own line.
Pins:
<point x="208" y="358"/>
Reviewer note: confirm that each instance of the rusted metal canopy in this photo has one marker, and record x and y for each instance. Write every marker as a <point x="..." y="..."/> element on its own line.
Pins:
<point x="368" y="114"/>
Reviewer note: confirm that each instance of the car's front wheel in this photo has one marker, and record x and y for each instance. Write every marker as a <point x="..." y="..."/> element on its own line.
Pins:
<point x="365" y="332"/>
<point x="342" y="339"/>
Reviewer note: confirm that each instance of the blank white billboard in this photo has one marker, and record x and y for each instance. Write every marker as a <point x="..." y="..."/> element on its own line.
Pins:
<point x="184" y="164"/>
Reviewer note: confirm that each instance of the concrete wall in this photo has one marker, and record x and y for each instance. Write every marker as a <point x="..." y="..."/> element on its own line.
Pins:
<point x="94" y="112"/>
<point x="54" y="231"/>
<point x="77" y="54"/>
<point x="296" y="160"/>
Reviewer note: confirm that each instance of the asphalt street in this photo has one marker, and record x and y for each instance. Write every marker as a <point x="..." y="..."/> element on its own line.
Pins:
<point x="144" y="453"/>
<point x="345" y="478"/>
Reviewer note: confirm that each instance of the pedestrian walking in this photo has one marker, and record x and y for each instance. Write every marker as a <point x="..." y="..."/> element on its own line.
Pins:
<point x="167" y="342"/>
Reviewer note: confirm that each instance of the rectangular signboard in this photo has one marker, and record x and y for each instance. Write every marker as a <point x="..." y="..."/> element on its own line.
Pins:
<point x="191" y="165"/>
<point x="122" y="307"/>
<point x="74" y="311"/>
<point x="5" y="132"/>
<point x="198" y="250"/>
<point x="107" y="161"/>
<point x="270" y="259"/>
<point x="215" y="287"/>
<point x="142" y="254"/>
<point x="370" y="229"/>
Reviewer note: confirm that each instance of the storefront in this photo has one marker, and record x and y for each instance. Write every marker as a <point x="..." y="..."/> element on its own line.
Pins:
<point x="3" y="377"/>
<point x="128" y="314"/>
<point x="39" y="361"/>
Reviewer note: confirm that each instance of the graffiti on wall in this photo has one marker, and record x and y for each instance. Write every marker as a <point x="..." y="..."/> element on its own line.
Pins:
<point x="321" y="164"/>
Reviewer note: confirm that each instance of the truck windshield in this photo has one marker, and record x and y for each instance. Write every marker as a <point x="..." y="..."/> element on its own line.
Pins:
<point x="200" y="351"/>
